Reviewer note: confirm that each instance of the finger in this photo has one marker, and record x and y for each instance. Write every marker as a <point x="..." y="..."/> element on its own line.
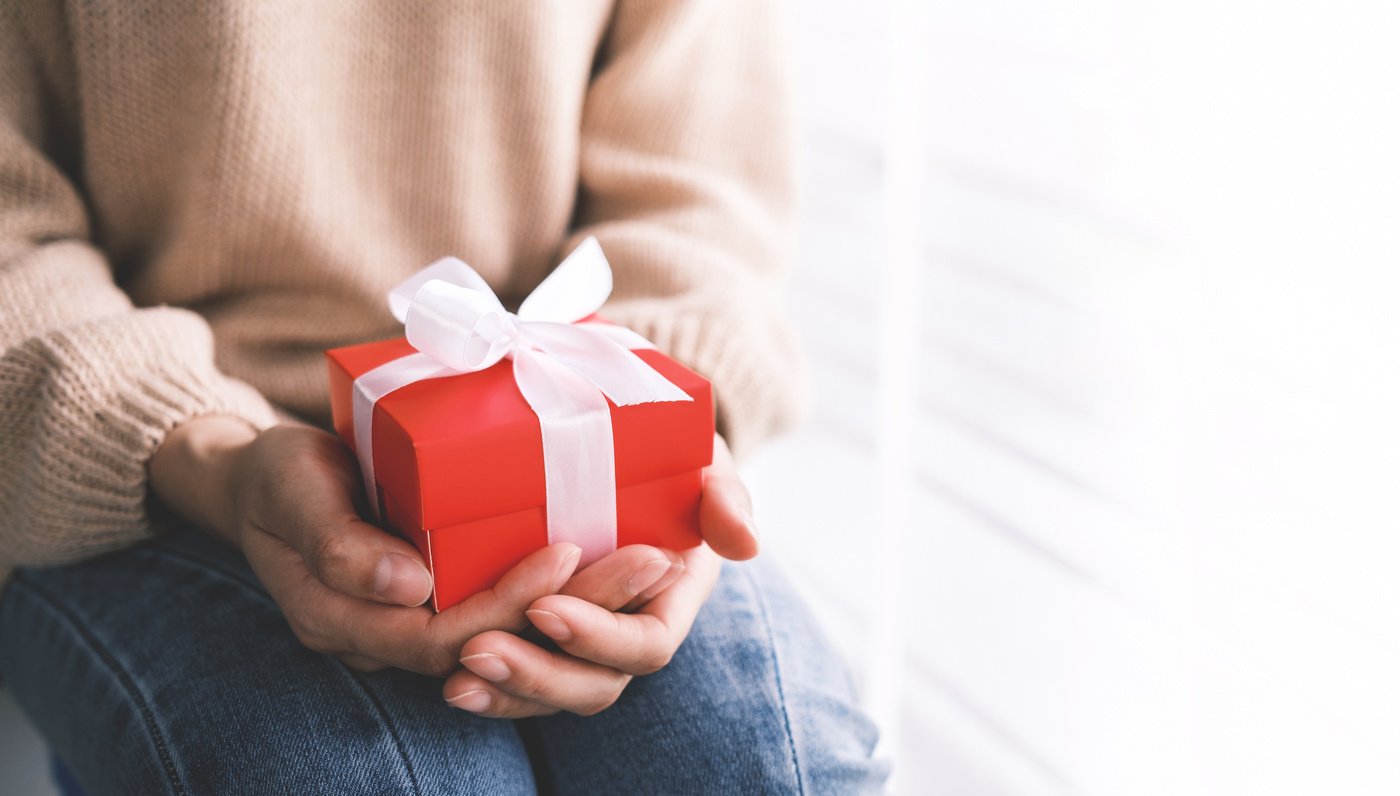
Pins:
<point x="679" y="605"/>
<point x="431" y="643"/>
<point x="308" y="502"/>
<point x="622" y="575"/>
<point x="677" y="569"/>
<point x="726" y="510"/>
<point x="638" y="643"/>
<point x="359" y="559"/>
<point x="414" y="639"/>
<point x="306" y="497"/>
<point x="327" y="621"/>
<point x="502" y="607"/>
<point x="529" y="672"/>
<point x="466" y="691"/>
<point x="633" y="643"/>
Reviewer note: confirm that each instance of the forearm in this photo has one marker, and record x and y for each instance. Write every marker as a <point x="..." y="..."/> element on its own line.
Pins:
<point x="82" y="410"/>
<point x="89" y="384"/>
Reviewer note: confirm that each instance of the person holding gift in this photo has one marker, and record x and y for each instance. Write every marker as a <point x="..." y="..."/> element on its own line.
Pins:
<point x="195" y="202"/>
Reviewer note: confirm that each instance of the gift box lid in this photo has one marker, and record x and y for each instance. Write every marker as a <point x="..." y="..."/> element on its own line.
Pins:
<point x="465" y="447"/>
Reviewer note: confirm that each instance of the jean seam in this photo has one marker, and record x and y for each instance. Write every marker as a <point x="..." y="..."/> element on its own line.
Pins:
<point x="762" y="601"/>
<point x="380" y="712"/>
<point x="128" y="684"/>
<point x="210" y="565"/>
<point x="388" y="725"/>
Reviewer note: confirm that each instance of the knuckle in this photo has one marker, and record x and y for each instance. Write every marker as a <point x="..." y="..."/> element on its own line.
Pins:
<point x="528" y="687"/>
<point x="311" y="629"/>
<point x="504" y="593"/>
<point x="434" y="659"/>
<point x="654" y="646"/>
<point x="655" y="659"/>
<point x="312" y="640"/>
<point x="439" y="667"/>
<point x="332" y="556"/>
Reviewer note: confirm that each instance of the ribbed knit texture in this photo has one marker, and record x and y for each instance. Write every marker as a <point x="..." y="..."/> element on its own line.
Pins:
<point x="196" y="199"/>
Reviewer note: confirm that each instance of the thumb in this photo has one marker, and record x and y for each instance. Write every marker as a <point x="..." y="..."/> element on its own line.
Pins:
<point x="726" y="510"/>
<point x="361" y="560"/>
<point x="304" y="492"/>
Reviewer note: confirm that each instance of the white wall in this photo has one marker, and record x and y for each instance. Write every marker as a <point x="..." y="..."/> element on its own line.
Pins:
<point x="1153" y="539"/>
<point x="24" y="758"/>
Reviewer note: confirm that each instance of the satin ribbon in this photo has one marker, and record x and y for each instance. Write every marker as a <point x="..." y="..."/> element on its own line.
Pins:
<point x="562" y="368"/>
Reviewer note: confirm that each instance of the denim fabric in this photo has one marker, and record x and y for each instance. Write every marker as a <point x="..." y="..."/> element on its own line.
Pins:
<point x="167" y="669"/>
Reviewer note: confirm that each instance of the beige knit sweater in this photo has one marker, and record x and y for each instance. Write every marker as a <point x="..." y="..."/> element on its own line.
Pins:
<point x="196" y="199"/>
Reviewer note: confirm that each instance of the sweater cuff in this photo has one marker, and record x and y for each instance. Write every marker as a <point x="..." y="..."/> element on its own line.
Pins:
<point x="748" y="353"/>
<point x="112" y="390"/>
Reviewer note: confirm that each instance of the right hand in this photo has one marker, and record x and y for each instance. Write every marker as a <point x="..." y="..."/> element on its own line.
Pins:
<point x="287" y="497"/>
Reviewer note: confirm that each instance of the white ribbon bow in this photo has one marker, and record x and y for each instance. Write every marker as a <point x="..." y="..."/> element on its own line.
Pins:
<point x="563" y="370"/>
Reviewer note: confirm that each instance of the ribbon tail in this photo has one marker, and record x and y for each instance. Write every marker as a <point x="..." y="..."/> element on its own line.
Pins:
<point x="579" y="469"/>
<point x="619" y="334"/>
<point x="612" y="368"/>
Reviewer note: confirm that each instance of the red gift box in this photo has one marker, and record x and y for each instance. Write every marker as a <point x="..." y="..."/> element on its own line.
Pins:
<point x="459" y="464"/>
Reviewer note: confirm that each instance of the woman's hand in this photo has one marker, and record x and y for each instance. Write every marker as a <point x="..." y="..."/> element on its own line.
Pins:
<point x="287" y="497"/>
<point x="602" y="649"/>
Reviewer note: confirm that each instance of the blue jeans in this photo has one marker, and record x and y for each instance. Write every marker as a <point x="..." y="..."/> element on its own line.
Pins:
<point x="166" y="668"/>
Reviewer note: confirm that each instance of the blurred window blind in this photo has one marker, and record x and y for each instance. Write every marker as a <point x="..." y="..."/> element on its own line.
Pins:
<point x="1150" y="544"/>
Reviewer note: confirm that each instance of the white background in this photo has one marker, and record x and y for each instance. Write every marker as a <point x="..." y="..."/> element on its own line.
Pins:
<point x="1151" y="454"/>
<point x="1138" y="535"/>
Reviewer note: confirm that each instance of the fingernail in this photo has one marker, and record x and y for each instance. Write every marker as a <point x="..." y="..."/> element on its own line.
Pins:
<point x="566" y="569"/>
<point x="550" y="624"/>
<point x="646" y="575"/>
<point x="488" y="665"/>
<point x="661" y="585"/>
<point x="401" y="580"/>
<point x="474" y="701"/>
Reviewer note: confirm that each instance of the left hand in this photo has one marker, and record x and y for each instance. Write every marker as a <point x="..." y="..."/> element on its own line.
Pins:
<point x="603" y="646"/>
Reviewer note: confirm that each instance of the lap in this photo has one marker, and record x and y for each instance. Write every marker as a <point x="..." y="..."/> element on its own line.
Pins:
<point x="167" y="668"/>
<point x="754" y="701"/>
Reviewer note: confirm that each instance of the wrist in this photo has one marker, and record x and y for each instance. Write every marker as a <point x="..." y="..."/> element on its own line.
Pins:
<point x="194" y="472"/>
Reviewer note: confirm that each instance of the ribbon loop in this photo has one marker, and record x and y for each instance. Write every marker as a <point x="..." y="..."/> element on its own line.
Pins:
<point x="448" y="269"/>
<point x="459" y="327"/>
<point x="575" y="290"/>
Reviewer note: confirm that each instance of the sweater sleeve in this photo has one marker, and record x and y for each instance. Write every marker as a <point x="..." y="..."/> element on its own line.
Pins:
<point x="89" y="384"/>
<point x="686" y="178"/>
